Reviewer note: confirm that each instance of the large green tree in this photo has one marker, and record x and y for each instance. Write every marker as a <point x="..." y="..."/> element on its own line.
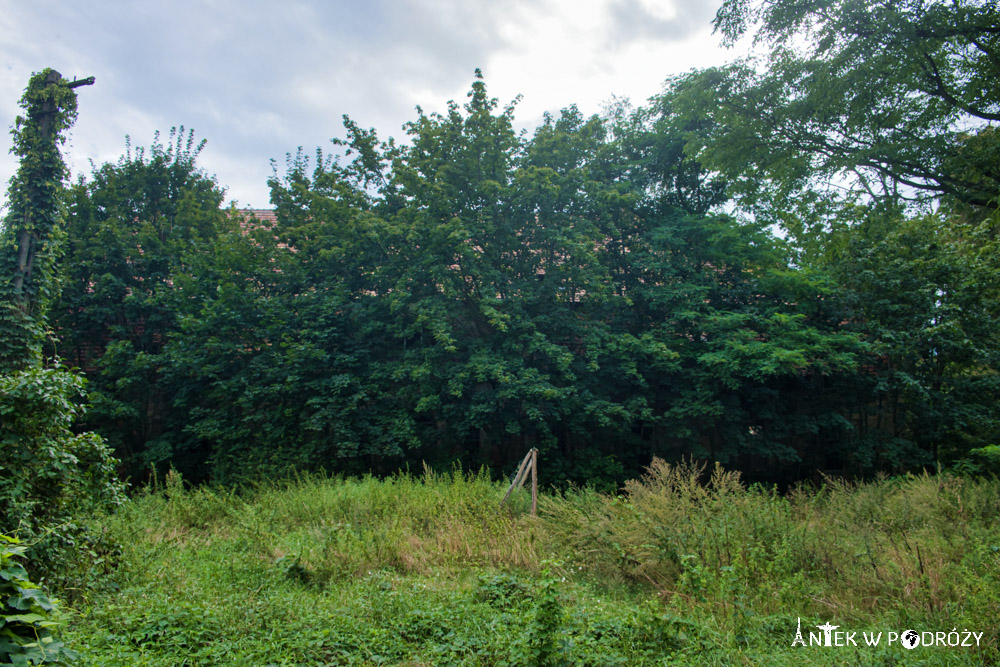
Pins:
<point x="855" y="99"/>
<point x="460" y="298"/>
<point x="865" y="130"/>
<point x="475" y="293"/>
<point x="923" y="290"/>
<point x="32" y="225"/>
<point x="132" y="227"/>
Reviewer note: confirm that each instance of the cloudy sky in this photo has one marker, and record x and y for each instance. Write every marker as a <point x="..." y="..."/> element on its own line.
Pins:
<point x="259" y="78"/>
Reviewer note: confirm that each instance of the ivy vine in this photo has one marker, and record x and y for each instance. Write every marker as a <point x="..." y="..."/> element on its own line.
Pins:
<point x="30" y="233"/>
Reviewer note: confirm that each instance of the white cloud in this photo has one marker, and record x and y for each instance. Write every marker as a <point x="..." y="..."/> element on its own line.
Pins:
<point x="259" y="78"/>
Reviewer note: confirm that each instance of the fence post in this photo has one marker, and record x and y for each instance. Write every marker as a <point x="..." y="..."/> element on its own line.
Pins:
<point x="534" y="482"/>
<point x="529" y="466"/>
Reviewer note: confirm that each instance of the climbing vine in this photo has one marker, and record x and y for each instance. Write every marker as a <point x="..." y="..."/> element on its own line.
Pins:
<point x="29" y="240"/>
<point x="53" y="480"/>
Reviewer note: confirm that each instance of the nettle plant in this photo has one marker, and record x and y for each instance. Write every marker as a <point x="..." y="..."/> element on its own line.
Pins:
<point x="28" y="616"/>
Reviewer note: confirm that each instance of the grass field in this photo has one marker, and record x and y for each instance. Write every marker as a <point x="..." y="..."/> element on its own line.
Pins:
<point x="685" y="567"/>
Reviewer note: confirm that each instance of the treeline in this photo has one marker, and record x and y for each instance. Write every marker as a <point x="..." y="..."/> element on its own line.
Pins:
<point x="785" y="265"/>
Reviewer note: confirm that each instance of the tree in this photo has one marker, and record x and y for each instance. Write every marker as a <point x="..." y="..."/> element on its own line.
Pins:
<point x="868" y="135"/>
<point x="863" y="99"/>
<point x="30" y="233"/>
<point x="132" y="228"/>
<point x="53" y="479"/>
<point x="925" y="296"/>
<point x="460" y="299"/>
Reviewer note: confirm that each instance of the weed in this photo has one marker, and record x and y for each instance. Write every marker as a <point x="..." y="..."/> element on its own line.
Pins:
<point x="687" y="566"/>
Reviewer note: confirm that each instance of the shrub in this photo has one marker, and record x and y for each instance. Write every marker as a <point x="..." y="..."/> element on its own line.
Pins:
<point x="28" y="615"/>
<point x="50" y="477"/>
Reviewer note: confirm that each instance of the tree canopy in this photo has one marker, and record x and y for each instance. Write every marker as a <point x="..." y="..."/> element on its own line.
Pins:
<point x="877" y="99"/>
<point x="786" y="264"/>
<point x="457" y="299"/>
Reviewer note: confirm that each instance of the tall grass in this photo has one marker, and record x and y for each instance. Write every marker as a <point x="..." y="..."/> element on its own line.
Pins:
<point x="686" y="566"/>
<point x="334" y="528"/>
<point x="921" y="551"/>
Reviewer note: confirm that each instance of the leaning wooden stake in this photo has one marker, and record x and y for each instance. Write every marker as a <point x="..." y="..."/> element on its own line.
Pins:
<point x="534" y="482"/>
<point x="529" y="465"/>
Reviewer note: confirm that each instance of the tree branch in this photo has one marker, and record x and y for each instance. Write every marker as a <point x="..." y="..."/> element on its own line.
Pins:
<point x="941" y="90"/>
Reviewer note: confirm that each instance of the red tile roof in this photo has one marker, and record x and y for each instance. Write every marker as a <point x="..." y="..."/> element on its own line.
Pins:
<point x="265" y="215"/>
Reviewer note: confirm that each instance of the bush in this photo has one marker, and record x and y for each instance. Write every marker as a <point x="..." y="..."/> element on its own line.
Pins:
<point x="28" y="615"/>
<point x="50" y="477"/>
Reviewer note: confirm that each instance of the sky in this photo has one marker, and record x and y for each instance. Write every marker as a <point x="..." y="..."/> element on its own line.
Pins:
<point x="258" y="79"/>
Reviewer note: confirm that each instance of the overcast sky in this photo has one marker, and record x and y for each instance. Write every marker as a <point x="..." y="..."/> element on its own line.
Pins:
<point x="259" y="78"/>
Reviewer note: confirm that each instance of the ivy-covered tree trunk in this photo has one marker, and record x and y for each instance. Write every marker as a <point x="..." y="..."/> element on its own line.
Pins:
<point x="29" y="238"/>
<point x="52" y="480"/>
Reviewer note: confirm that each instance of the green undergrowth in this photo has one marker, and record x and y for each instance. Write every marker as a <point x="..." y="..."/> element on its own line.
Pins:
<point x="684" y="567"/>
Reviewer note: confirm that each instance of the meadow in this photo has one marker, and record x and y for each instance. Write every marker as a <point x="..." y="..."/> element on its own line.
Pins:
<point x="685" y="566"/>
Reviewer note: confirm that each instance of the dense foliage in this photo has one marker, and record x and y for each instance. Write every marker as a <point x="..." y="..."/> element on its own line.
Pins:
<point x="463" y="298"/>
<point x="30" y="234"/>
<point x="133" y="228"/>
<point x="786" y="264"/>
<point x="54" y="481"/>
<point x="53" y="478"/>
<point x="608" y="289"/>
<point x="27" y="615"/>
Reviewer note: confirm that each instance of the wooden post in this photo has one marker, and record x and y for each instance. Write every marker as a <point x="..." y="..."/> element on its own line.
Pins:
<point x="522" y="471"/>
<point x="529" y="466"/>
<point x="534" y="482"/>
